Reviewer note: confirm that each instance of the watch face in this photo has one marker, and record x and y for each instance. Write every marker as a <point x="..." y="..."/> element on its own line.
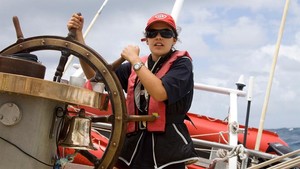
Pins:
<point x="137" y="66"/>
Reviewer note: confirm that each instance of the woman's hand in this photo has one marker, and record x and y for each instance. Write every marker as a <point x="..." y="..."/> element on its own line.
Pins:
<point x="76" y="22"/>
<point x="131" y="54"/>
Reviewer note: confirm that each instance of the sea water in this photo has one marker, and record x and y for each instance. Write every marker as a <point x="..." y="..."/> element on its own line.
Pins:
<point x="290" y="135"/>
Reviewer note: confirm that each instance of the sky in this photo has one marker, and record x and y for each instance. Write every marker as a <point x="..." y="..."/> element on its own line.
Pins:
<point x="226" y="39"/>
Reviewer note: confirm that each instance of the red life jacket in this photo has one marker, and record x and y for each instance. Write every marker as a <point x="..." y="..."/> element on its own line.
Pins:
<point x="155" y="108"/>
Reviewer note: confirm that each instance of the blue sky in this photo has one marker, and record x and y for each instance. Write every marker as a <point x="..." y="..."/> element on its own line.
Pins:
<point x="225" y="38"/>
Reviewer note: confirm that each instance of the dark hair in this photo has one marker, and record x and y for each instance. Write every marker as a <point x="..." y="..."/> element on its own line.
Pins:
<point x="176" y="33"/>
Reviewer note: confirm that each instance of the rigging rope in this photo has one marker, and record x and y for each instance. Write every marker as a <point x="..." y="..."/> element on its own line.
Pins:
<point x="224" y="155"/>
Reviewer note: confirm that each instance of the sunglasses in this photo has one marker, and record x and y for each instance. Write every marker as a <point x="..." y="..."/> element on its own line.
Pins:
<point x="165" y="33"/>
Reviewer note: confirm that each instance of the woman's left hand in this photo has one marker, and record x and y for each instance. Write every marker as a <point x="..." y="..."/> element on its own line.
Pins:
<point x="131" y="54"/>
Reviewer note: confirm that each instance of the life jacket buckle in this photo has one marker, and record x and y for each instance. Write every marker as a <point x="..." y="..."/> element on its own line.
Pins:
<point x="142" y="125"/>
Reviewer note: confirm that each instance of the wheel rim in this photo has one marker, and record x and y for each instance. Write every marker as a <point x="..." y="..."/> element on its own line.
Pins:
<point x="110" y="79"/>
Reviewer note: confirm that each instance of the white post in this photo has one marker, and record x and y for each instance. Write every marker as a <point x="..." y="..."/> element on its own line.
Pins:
<point x="233" y="114"/>
<point x="250" y="88"/>
<point x="233" y="128"/>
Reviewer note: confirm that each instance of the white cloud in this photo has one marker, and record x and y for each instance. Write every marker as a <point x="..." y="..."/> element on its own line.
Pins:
<point x="292" y="52"/>
<point x="241" y="34"/>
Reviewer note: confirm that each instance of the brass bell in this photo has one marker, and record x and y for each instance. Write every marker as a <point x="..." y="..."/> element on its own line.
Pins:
<point x="79" y="133"/>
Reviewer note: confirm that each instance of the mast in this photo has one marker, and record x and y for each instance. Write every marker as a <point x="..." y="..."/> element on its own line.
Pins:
<point x="85" y="34"/>
<point x="266" y="101"/>
<point x="176" y="9"/>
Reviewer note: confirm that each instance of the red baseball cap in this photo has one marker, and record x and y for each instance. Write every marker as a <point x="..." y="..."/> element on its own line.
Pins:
<point x="162" y="17"/>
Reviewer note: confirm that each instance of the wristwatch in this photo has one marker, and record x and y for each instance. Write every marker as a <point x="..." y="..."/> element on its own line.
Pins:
<point x="137" y="66"/>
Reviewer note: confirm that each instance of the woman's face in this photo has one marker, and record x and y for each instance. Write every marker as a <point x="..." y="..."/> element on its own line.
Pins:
<point x="159" y="45"/>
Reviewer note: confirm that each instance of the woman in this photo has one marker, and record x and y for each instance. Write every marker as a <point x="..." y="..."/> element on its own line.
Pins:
<point x="160" y="84"/>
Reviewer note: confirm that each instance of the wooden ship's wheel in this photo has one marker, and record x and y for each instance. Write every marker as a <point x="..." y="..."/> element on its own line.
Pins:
<point x="68" y="46"/>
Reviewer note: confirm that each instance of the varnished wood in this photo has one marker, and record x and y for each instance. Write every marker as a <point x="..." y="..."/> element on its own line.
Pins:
<point x="49" y="90"/>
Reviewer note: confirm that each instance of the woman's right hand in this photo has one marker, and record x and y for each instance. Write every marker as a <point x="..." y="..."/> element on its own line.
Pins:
<point x="76" y="22"/>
